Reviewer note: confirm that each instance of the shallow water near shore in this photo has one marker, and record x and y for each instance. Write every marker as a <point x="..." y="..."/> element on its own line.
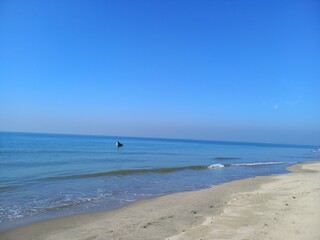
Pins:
<point x="48" y="175"/>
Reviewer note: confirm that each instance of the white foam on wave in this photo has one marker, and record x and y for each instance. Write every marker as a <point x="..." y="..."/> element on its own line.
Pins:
<point x="216" y="166"/>
<point x="255" y="164"/>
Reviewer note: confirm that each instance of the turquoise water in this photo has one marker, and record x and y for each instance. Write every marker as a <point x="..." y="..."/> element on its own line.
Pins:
<point x="46" y="175"/>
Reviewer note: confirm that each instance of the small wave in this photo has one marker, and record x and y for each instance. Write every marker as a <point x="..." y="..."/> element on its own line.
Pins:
<point x="128" y="172"/>
<point x="254" y="164"/>
<point x="212" y="166"/>
<point x="7" y="188"/>
<point x="154" y="170"/>
<point x="218" y="165"/>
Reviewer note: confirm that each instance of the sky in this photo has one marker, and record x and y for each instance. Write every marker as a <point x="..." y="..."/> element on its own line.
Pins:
<point x="214" y="70"/>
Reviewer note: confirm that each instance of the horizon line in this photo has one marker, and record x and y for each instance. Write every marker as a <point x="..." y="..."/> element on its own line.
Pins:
<point x="227" y="142"/>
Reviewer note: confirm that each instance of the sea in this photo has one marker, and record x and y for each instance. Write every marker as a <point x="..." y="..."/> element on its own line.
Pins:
<point x="45" y="176"/>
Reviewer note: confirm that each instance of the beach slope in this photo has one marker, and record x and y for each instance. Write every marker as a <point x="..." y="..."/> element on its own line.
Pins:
<point x="272" y="207"/>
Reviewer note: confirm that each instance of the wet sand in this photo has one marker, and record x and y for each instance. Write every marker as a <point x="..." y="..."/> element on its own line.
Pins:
<point x="272" y="207"/>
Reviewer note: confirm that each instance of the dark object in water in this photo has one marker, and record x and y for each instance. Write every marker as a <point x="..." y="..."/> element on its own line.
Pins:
<point x="118" y="144"/>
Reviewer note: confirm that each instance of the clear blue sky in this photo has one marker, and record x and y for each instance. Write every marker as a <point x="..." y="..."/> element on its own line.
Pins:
<point x="221" y="70"/>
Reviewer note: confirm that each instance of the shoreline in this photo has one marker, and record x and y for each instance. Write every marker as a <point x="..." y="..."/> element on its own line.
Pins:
<point x="182" y="215"/>
<point x="37" y="219"/>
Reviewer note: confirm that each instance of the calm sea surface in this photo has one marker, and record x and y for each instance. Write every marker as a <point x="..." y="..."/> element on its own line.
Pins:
<point x="46" y="175"/>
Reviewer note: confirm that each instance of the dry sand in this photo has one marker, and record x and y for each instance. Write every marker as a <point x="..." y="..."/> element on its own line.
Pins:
<point x="274" y="207"/>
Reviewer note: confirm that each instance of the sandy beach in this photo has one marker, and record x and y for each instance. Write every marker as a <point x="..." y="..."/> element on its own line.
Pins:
<point x="271" y="207"/>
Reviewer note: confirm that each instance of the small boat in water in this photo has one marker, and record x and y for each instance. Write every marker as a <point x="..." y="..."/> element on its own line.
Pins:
<point x="118" y="144"/>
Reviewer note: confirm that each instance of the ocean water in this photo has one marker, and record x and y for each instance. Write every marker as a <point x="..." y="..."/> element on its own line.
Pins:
<point x="47" y="175"/>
